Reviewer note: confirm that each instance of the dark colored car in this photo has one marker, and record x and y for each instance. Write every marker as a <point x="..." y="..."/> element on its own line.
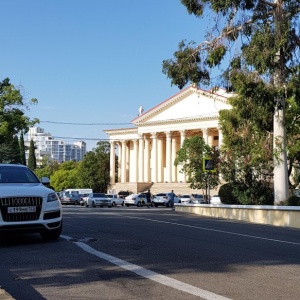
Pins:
<point x="69" y="198"/>
<point x="124" y="194"/>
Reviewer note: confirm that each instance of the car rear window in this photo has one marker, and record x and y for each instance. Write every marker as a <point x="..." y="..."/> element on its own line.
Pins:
<point x="98" y="195"/>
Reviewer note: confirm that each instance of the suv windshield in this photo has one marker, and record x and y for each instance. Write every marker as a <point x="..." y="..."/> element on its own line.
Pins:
<point x="17" y="174"/>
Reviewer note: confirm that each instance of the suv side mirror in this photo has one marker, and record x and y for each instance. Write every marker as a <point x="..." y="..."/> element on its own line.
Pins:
<point x="45" y="180"/>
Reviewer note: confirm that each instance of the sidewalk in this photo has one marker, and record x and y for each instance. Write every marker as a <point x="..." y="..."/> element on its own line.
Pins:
<point x="5" y="296"/>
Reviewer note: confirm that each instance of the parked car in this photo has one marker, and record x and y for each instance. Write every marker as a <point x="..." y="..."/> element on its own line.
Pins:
<point x="197" y="199"/>
<point x="215" y="200"/>
<point x="70" y="198"/>
<point x="81" y="198"/>
<point x="27" y="205"/>
<point x="97" y="199"/>
<point x="186" y="198"/>
<point x="124" y="194"/>
<point x="162" y="199"/>
<point x="115" y="199"/>
<point x="136" y="199"/>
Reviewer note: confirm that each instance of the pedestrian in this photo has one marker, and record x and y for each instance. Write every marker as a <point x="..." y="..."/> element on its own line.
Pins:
<point x="171" y="197"/>
<point x="148" y="196"/>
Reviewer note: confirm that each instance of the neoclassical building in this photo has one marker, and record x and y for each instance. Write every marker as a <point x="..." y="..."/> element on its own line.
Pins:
<point x="146" y="152"/>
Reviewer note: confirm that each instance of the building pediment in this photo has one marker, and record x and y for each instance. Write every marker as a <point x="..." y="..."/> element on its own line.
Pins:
<point x="188" y="105"/>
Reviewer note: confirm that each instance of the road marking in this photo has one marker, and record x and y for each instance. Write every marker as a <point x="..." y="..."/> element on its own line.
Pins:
<point x="216" y="230"/>
<point x="162" y="279"/>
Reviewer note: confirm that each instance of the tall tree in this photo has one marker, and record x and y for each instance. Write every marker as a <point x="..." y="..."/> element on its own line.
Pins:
<point x="12" y="116"/>
<point x="66" y="177"/>
<point x="47" y="168"/>
<point x="16" y="154"/>
<point x="31" y="156"/>
<point x="94" y="171"/>
<point x="268" y="37"/>
<point x="190" y="159"/>
<point x="22" y="149"/>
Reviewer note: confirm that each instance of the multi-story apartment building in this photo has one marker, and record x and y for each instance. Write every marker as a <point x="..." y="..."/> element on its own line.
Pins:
<point x="55" y="149"/>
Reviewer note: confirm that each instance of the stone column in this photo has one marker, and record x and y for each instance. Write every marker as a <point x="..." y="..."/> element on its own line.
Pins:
<point x="154" y="157"/>
<point x="205" y="135"/>
<point x="112" y="170"/>
<point x="220" y="138"/>
<point x="135" y="162"/>
<point x="160" y="157"/>
<point x="182" y="138"/>
<point x="123" y="162"/>
<point x="168" y="156"/>
<point x="141" y="159"/>
<point x="147" y="160"/>
<point x="174" y="150"/>
<point x="119" y="161"/>
<point x="210" y="138"/>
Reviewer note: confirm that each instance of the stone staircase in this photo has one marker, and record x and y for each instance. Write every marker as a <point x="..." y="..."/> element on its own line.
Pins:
<point x="137" y="187"/>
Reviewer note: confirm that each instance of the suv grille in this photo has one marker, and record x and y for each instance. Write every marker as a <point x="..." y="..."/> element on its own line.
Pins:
<point x="20" y="202"/>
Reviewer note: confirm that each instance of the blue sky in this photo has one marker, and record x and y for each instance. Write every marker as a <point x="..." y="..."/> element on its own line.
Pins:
<point x="92" y="61"/>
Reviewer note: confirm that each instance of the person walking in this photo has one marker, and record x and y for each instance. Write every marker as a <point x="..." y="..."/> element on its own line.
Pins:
<point x="148" y="196"/>
<point x="171" y="198"/>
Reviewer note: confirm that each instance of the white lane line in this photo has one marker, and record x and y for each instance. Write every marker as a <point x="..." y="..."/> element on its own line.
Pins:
<point x="216" y="230"/>
<point x="162" y="279"/>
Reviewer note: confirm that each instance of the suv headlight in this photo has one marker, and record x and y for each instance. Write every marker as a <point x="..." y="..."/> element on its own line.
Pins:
<point x="52" y="197"/>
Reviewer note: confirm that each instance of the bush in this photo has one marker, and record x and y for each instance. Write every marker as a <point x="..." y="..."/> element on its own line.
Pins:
<point x="226" y="194"/>
<point x="258" y="193"/>
<point x="293" y="201"/>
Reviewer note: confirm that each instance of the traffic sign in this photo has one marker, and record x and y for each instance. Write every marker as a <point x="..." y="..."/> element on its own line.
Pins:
<point x="208" y="165"/>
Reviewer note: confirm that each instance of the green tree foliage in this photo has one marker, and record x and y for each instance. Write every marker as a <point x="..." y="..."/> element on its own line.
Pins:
<point x="66" y="178"/>
<point x="190" y="160"/>
<point x="12" y="117"/>
<point x="47" y="168"/>
<point x="22" y="149"/>
<point x="246" y="156"/>
<point x="94" y="169"/>
<point x="246" y="153"/>
<point x="268" y="38"/>
<point x="31" y="156"/>
<point x="16" y="153"/>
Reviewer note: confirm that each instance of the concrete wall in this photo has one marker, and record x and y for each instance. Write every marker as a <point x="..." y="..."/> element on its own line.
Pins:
<point x="285" y="216"/>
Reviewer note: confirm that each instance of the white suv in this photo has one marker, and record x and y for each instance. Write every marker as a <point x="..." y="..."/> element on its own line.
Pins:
<point x="26" y="205"/>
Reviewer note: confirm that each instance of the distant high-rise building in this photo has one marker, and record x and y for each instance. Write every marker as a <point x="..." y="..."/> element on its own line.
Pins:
<point x="54" y="149"/>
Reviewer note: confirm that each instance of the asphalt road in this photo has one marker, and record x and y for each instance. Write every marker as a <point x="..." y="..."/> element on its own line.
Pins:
<point x="156" y="253"/>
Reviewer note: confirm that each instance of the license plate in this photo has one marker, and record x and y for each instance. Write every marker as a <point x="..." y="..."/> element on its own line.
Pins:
<point x="21" y="209"/>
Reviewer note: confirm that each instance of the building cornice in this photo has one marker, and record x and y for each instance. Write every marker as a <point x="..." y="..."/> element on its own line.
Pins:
<point x="121" y="131"/>
<point x="178" y="121"/>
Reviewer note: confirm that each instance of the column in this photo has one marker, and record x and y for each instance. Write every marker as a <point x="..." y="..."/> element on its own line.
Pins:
<point x="220" y="138"/>
<point x="154" y="157"/>
<point x="210" y="138"/>
<point x="147" y="159"/>
<point x="136" y="159"/>
<point x="168" y="156"/>
<point x="141" y="159"/>
<point x="204" y="134"/>
<point x="182" y="138"/>
<point x="159" y="164"/>
<point x="123" y="162"/>
<point x="128" y="160"/>
<point x="112" y="170"/>
<point x="174" y="150"/>
<point x="119" y="161"/>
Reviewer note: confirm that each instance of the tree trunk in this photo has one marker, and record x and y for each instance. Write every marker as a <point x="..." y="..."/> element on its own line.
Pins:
<point x="281" y="188"/>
